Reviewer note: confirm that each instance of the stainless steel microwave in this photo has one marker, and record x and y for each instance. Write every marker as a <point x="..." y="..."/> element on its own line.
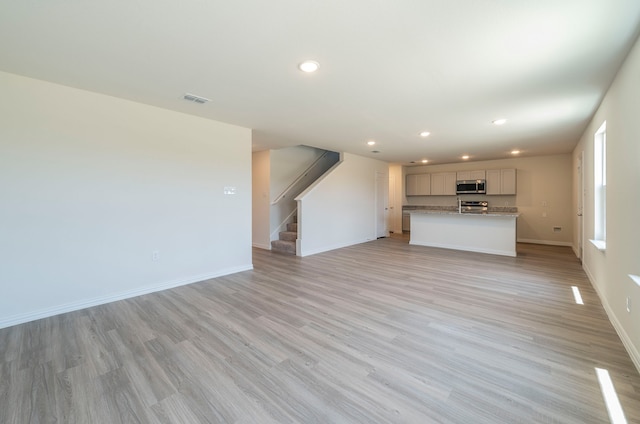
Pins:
<point x="471" y="187"/>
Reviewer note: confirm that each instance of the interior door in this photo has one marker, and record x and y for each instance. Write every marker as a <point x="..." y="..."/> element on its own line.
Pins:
<point x="393" y="211"/>
<point x="382" y="209"/>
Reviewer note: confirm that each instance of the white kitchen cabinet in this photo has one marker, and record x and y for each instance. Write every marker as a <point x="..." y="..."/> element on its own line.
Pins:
<point x="471" y="175"/>
<point x="411" y="188"/>
<point x="494" y="183"/>
<point x="463" y="175"/>
<point x="443" y="184"/>
<point x="418" y="185"/>
<point x="501" y="181"/>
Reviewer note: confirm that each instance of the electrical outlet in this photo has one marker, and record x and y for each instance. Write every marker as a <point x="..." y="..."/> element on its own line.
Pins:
<point x="629" y="304"/>
<point x="155" y="255"/>
<point x="544" y="214"/>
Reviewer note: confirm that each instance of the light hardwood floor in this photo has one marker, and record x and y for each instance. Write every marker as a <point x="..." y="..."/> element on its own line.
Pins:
<point x="381" y="332"/>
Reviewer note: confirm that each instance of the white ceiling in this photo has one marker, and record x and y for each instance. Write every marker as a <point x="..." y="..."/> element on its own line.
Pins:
<point x="389" y="68"/>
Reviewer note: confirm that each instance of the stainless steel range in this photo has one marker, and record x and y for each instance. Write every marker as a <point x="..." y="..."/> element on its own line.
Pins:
<point x="473" y="206"/>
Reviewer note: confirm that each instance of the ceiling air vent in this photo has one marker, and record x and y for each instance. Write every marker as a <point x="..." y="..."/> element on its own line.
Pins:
<point x="194" y="98"/>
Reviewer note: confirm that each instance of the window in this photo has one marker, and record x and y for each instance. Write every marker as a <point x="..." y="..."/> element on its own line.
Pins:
<point x="600" y="187"/>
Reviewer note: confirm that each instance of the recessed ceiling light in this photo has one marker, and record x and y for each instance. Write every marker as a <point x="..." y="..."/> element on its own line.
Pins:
<point x="424" y="161"/>
<point x="424" y="134"/>
<point x="371" y="142"/>
<point x="500" y="121"/>
<point x="515" y="152"/>
<point x="309" y="66"/>
<point x="465" y="157"/>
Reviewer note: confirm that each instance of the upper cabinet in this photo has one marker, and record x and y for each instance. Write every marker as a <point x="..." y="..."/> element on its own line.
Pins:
<point x="501" y="181"/>
<point x="418" y="185"/>
<point x="471" y="175"/>
<point x="443" y="184"/>
<point x="498" y="181"/>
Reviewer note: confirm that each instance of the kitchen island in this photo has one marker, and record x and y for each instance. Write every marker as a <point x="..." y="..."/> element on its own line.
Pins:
<point x="488" y="232"/>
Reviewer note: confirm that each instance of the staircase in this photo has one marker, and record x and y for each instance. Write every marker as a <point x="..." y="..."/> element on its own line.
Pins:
<point x="284" y="206"/>
<point x="287" y="242"/>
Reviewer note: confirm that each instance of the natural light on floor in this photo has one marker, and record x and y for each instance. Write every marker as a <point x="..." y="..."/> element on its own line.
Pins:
<point x="616" y="414"/>
<point x="576" y="295"/>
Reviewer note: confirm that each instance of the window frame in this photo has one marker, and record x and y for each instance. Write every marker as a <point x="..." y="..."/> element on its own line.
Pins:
<point x="600" y="187"/>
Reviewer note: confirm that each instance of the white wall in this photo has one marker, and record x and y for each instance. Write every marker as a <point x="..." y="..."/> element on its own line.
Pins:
<point x="539" y="179"/>
<point x="340" y="209"/>
<point x="91" y="185"/>
<point x="261" y="195"/>
<point x="609" y="270"/>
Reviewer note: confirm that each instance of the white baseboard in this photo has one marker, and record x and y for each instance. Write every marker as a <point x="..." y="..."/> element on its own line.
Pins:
<point x="633" y="352"/>
<point x="332" y="247"/>
<point x="547" y="242"/>
<point x="101" y="300"/>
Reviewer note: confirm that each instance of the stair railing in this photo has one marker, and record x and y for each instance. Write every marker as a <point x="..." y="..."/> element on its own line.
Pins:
<point x="300" y="181"/>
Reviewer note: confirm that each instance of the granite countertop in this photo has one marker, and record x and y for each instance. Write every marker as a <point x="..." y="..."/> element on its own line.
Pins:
<point x="446" y="212"/>
<point x="509" y="211"/>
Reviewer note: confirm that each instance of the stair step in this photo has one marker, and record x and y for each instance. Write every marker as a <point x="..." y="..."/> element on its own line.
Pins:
<point x="284" y="246"/>
<point x="293" y="227"/>
<point x="288" y="235"/>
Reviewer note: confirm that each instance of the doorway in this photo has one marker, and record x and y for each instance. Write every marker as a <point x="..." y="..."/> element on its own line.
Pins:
<point x="382" y="207"/>
<point x="393" y="211"/>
